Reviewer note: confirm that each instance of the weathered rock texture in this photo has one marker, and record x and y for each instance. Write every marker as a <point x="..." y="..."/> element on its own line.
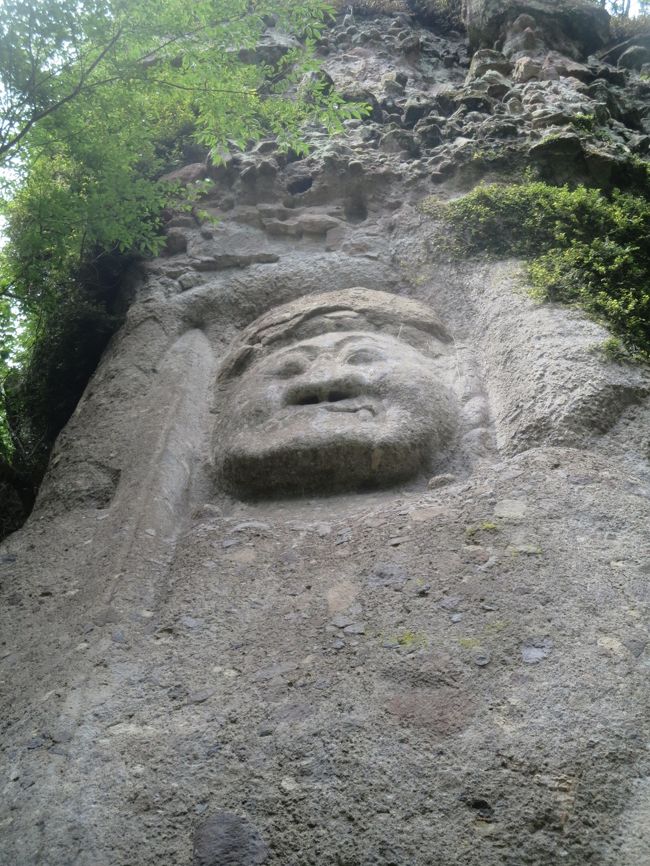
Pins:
<point x="449" y="670"/>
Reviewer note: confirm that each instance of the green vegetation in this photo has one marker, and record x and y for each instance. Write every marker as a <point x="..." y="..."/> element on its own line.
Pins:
<point x="411" y="638"/>
<point x="98" y="99"/>
<point x="486" y="526"/>
<point x="583" y="247"/>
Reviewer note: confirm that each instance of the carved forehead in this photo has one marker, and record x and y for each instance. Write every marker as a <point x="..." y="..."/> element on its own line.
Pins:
<point x="355" y="310"/>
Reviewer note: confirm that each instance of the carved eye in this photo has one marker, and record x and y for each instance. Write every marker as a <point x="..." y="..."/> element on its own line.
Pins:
<point x="290" y="367"/>
<point x="363" y="356"/>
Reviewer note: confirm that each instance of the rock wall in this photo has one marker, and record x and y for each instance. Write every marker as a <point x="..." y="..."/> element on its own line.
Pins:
<point x="450" y="670"/>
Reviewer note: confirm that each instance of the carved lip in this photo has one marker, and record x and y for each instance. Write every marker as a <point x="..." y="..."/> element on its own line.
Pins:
<point x="349" y="407"/>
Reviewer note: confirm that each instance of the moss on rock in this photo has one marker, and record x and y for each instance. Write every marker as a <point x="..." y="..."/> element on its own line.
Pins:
<point x="583" y="246"/>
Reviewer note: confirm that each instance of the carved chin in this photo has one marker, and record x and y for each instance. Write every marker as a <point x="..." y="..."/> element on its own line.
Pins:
<point x="345" y="464"/>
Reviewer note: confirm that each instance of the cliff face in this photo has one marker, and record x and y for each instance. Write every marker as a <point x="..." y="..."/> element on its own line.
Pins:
<point x="422" y="637"/>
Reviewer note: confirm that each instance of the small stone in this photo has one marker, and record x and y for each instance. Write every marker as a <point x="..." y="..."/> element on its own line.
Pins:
<point x="200" y="697"/>
<point x="279" y="670"/>
<point x="343" y="536"/>
<point x="512" y="509"/>
<point x="423" y="591"/>
<point x="177" y="692"/>
<point x="400" y="539"/>
<point x="456" y="617"/>
<point x="410" y="44"/>
<point x="265" y="731"/>
<point x="440" y="481"/>
<point x="485" y="60"/>
<point x="398" y="140"/>
<point x="189" y="280"/>
<point x="636" y="646"/>
<point x="317" y="224"/>
<point x="282" y="228"/>
<point x="229" y="260"/>
<point x="526" y="69"/>
<point x="536" y="649"/>
<point x="387" y="574"/>
<point x="338" y="644"/>
<point x="341" y="621"/>
<point x="251" y="525"/>
<point x="529" y="549"/>
<point x="416" y="109"/>
<point x="355" y="628"/>
<point x="106" y="616"/>
<point x="450" y="602"/>
<point x="481" y="658"/>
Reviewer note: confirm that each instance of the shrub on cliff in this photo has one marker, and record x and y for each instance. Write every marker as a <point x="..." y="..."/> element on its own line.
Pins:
<point x="583" y="247"/>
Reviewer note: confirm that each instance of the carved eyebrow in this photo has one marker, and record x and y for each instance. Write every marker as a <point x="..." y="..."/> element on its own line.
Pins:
<point x="312" y="351"/>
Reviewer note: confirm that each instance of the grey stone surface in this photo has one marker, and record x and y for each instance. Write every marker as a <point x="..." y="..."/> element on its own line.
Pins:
<point x="450" y="669"/>
<point x="224" y="839"/>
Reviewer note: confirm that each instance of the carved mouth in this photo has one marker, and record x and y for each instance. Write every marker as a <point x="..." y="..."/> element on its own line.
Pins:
<point x="346" y="399"/>
<point x="307" y="396"/>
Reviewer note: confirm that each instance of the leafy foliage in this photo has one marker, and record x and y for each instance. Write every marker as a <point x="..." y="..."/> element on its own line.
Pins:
<point x="98" y="99"/>
<point x="583" y="247"/>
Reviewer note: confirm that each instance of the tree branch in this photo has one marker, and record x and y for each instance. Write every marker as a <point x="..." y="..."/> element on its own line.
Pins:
<point x="10" y="144"/>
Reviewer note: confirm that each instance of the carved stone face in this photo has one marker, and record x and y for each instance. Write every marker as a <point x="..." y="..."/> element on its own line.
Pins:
<point x="341" y="410"/>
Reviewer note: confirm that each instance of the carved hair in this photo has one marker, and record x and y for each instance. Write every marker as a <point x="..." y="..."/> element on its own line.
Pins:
<point x="356" y="309"/>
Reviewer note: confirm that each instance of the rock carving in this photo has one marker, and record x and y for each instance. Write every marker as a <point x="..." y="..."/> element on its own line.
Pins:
<point x="341" y="390"/>
<point x="202" y="667"/>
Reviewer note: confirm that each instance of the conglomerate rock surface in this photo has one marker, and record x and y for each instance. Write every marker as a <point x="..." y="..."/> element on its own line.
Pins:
<point x="439" y="660"/>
